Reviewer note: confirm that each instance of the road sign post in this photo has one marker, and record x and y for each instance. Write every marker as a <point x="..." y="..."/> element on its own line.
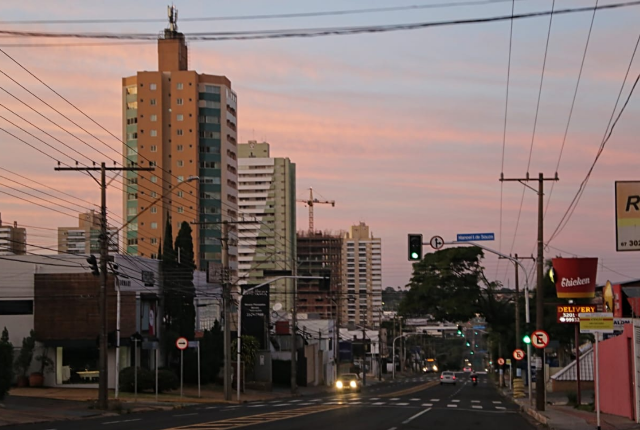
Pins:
<point x="501" y="361"/>
<point x="182" y="343"/>
<point x="436" y="242"/>
<point x="540" y="339"/>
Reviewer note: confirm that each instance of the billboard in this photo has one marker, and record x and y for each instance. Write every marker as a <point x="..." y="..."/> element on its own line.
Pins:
<point x="568" y="314"/>
<point x="627" y="215"/>
<point x="255" y="314"/>
<point x="575" y="277"/>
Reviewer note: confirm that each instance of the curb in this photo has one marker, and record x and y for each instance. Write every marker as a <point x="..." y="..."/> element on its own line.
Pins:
<point x="535" y="415"/>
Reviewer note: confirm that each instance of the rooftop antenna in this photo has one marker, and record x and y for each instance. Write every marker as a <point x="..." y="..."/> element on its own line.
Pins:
<point x="172" y="13"/>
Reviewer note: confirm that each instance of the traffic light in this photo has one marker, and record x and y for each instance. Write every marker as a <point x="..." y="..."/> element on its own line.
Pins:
<point x="471" y="352"/>
<point x="93" y="263"/>
<point x="526" y="339"/>
<point x="459" y="330"/>
<point x="468" y="344"/>
<point x="415" y="247"/>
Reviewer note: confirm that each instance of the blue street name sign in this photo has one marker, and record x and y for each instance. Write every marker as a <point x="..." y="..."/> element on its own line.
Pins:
<point x="475" y="236"/>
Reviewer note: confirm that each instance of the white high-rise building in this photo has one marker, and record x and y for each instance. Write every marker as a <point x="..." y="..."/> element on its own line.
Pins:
<point x="266" y="195"/>
<point x="361" y="277"/>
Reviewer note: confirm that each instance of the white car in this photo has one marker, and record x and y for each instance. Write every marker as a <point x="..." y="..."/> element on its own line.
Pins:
<point x="447" y="378"/>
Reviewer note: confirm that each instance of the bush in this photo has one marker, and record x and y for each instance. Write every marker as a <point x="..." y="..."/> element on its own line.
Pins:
<point x="146" y="380"/>
<point x="6" y="363"/>
<point x="167" y="380"/>
<point x="572" y="398"/>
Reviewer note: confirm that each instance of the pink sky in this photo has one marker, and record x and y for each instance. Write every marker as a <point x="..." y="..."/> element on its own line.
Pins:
<point x="403" y="130"/>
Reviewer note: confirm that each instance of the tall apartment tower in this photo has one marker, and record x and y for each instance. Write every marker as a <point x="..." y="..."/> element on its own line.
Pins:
<point x="184" y="124"/>
<point x="266" y="190"/>
<point x="13" y="239"/>
<point x="85" y="237"/>
<point x="362" y="277"/>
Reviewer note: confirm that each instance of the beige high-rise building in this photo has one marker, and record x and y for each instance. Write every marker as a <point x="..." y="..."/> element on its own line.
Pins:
<point x="85" y="237"/>
<point x="361" y="302"/>
<point x="13" y="239"/>
<point x="184" y="124"/>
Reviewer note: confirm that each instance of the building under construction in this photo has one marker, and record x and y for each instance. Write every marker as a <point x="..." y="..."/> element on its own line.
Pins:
<point x="319" y="253"/>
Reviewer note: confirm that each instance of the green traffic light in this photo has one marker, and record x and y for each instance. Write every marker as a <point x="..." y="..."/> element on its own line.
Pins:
<point x="414" y="255"/>
<point x="471" y="353"/>
<point x="526" y="339"/>
<point x="468" y="344"/>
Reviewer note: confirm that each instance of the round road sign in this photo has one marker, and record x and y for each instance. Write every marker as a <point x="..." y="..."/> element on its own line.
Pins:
<point x="501" y="361"/>
<point x="182" y="343"/>
<point x="539" y="339"/>
<point x="518" y="354"/>
<point x="436" y="242"/>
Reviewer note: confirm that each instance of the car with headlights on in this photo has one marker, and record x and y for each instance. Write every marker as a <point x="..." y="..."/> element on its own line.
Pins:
<point x="349" y="382"/>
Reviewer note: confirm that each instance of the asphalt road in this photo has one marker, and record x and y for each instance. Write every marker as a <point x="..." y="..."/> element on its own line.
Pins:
<point x="418" y="403"/>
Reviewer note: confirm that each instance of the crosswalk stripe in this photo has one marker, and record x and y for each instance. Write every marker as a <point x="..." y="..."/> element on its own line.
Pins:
<point x="427" y="405"/>
<point x="435" y="400"/>
<point x="476" y="407"/>
<point x="496" y="402"/>
<point x="452" y="406"/>
<point x="414" y="400"/>
<point x="502" y="408"/>
<point x="475" y="401"/>
<point x="379" y="403"/>
<point x="455" y="401"/>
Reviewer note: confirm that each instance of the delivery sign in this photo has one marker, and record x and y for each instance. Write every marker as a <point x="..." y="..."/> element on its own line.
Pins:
<point x="574" y="277"/>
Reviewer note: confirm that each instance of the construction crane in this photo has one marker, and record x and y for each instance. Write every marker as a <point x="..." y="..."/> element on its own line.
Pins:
<point x="312" y="201"/>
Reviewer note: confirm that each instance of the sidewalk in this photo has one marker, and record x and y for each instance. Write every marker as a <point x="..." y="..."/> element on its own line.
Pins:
<point x="559" y="416"/>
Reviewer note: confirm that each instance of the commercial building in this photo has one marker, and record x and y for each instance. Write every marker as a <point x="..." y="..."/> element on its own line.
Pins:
<point x="362" y="277"/>
<point x="85" y="238"/>
<point x="183" y="124"/>
<point x="267" y="208"/>
<point x="13" y="239"/>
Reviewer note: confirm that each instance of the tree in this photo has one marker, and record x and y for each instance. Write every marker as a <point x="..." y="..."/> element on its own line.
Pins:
<point x="24" y="358"/>
<point x="6" y="364"/>
<point x="248" y="353"/>
<point x="446" y="285"/>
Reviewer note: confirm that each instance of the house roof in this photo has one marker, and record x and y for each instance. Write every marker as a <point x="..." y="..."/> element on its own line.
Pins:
<point x="569" y="373"/>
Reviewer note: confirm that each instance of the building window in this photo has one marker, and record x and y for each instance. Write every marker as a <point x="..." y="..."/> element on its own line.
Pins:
<point x="208" y="165"/>
<point x="154" y="194"/>
<point x="180" y="117"/>
<point x="153" y="148"/>
<point x="16" y="307"/>
<point x="154" y="179"/>
<point x="211" y="89"/>
<point x="152" y="87"/>
<point x="209" y="134"/>
<point x="153" y="240"/>
<point x="180" y="210"/>
<point x="179" y="101"/>
<point x="179" y="132"/>
<point x="180" y="163"/>
<point x="132" y="241"/>
<point x="131" y="121"/>
<point x="154" y="133"/>
<point x="180" y="193"/>
<point x="180" y="148"/>
<point x="180" y="178"/>
<point x="208" y="119"/>
<point x="153" y="164"/>
<point x="154" y="225"/>
<point x="132" y="90"/>
<point x="179" y="86"/>
<point x="131" y="211"/>
<point x="154" y="210"/>
<point x="132" y="151"/>
<point x="132" y="196"/>
<point x="132" y="105"/>
<point x="152" y="102"/>
<point x="132" y="136"/>
<point x="154" y="118"/>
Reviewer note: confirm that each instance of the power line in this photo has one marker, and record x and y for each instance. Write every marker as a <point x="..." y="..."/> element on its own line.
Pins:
<point x="573" y="102"/>
<point x="506" y="114"/>
<point x="314" y="32"/>
<point x="263" y="16"/>
<point x="576" y="199"/>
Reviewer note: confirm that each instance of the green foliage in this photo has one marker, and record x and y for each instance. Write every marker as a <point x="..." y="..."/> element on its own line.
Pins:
<point x="211" y="357"/>
<point x="24" y="358"/>
<point x="248" y="352"/>
<point x="6" y="364"/>
<point x="446" y="285"/>
<point x="391" y="298"/>
<point x="572" y="398"/>
<point x="167" y="380"/>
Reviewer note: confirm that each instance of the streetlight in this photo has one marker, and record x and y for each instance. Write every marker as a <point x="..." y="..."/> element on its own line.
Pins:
<point x="117" y="375"/>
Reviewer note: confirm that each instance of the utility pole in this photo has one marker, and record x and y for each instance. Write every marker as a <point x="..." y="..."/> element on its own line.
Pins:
<point x="540" y="382"/>
<point x="364" y="358"/>
<point x="226" y="293"/>
<point x="517" y="301"/>
<point x="103" y="388"/>
<point x="294" y="364"/>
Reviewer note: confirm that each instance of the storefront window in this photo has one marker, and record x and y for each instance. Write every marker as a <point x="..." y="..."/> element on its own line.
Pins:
<point x="77" y="365"/>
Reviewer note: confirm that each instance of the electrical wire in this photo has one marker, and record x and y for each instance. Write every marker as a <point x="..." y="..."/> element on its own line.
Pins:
<point x="313" y="32"/>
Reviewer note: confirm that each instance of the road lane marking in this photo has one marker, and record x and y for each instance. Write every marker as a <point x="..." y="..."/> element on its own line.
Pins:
<point x="123" y="421"/>
<point x="435" y="400"/>
<point x="415" y="416"/>
<point x="375" y="398"/>
<point x="455" y="401"/>
<point x="379" y="403"/>
<point x="257" y="406"/>
<point x="415" y="400"/>
<point x="250" y="420"/>
<point x="427" y="405"/>
<point x="452" y="406"/>
<point x="411" y="390"/>
<point x="496" y="402"/>
<point x="476" y="407"/>
<point x="402" y="404"/>
<point x="502" y="408"/>
<point x="475" y="401"/>
<point x="395" y="398"/>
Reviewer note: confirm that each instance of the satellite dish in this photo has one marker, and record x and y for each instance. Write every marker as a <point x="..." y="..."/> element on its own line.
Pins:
<point x="277" y="307"/>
